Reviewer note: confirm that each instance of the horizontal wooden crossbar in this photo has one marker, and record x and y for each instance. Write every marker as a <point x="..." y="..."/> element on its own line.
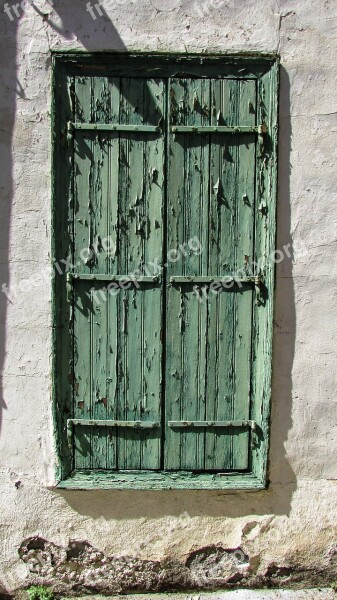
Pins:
<point x="114" y="127"/>
<point x="106" y="277"/>
<point x="154" y="424"/>
<point x="109" y="423"/>
<point x="125" y="281"/>
<point x="257" y="280"/>
<point x="260" y="129"/>
<point x="192" y="424"/>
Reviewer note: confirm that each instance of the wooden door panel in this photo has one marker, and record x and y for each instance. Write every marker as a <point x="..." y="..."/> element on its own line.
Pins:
<point x="118" y="231"/>
<point x="211" y="197"/>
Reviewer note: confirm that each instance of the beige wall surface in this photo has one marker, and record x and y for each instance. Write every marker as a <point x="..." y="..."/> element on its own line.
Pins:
<point x="133" y="540"/>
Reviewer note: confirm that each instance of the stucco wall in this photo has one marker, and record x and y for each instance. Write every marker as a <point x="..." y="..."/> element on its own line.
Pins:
<point x="147" y="539"/>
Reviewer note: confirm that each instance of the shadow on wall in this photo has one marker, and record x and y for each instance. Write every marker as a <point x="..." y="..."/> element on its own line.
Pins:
<point x="10" y="89"/>
<point x="280" y="471"/>
<point x="277" y="499"/>
<point x="94" y="31"/>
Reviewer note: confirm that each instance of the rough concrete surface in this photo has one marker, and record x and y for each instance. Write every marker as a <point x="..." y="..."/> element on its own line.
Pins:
<point x="128" y="541"/>
<point x="323" y="594"/>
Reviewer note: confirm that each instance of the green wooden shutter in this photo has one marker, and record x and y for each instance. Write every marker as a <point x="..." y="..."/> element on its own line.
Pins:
<point x="119" y="193"/>
<point x="118" y="196"/>
<point x="211" y="197"/>
<point x="164" y="327"/>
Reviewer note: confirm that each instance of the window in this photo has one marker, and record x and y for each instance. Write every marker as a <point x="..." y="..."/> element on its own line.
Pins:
<point x="164" y="224"/>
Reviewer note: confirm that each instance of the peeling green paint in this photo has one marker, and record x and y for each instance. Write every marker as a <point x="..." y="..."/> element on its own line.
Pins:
<point x="135" y="169"/>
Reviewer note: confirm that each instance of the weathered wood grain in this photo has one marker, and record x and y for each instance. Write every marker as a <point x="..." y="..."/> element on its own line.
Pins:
<point x="149" y="191"/>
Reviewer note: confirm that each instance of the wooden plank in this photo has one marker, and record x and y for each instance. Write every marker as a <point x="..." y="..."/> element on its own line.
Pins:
<point x="112" y="374"/>
<point x="174" y="367"/>
<point x="121" y="266"/>
<point x="127" y="326"/>
<point x="230" y="65"/>
<point x="265" y="219"/>
<point x="83" y="175"/>
<point x="91" y="223"/>
<point x="147" y="480"/>
<point x="137" y="230"/>
<point x="189" y="103"/>
<point x="99" y="329"/>
<point x="113" y="206"/>
<point x="82" y="374"/>
<point x="113" y="322"/>
<point x="62" y="249"/>
<point x="101" y="103"/>
<point x="100" y="193"/>
<point x="244" y="255"/>
<point x="142" y="181"/>
<point x="196" y="226"/>
<point x="154" y="165"/>
<point x="83" y="307"/>
<point x="220" y="376"/>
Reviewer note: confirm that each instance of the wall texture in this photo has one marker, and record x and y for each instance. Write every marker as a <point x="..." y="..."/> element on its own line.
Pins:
<point x="121" y="541"/>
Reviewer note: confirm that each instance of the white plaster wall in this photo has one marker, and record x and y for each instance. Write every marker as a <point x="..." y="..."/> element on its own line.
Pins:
<point x="294" y="521"/>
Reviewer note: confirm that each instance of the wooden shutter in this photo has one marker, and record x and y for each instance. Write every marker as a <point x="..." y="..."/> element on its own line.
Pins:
<point x="172" y="188"/>
<point x="118" y="200"/>
<point x="118" y="230"/>
<point x="211" y="197"/>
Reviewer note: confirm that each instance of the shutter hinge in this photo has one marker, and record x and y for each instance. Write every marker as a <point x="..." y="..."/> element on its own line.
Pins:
<point x="69" y="287"/>
<point x="70" y="132"/>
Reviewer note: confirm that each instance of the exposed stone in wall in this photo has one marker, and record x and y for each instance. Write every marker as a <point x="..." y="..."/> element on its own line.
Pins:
<point x="82" y="568"/>
<point x="214" y="563"/>
<point x="3" y="593"/>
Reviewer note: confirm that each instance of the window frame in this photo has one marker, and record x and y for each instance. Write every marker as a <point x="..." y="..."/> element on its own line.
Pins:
<point x="265" y="68"/>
